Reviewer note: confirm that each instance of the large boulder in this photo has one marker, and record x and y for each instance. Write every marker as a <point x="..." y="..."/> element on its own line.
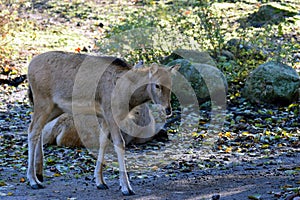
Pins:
<point x="271" y="13"/>
<point x="207" y="82"/>
<point x="272" y="82"/>
<point x="193" y="56"/>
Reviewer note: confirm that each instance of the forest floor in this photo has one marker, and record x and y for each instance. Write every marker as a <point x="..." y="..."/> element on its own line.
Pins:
<point x="180" y="168"/>
<point x="244" y="181"/>
<point x="255" y="155"/>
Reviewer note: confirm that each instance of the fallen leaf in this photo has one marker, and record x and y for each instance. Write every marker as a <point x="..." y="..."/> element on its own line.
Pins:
<point x="228" y="134"/>
<point x="265" y="146"/>
<point x="2" y="183"/>
<point x="228" y="149"/>
<point x="57" y="175"/>
<point x="255" y="197"/>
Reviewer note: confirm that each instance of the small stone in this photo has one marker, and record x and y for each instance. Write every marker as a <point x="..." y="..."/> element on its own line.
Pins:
<point x="215" y="197"/>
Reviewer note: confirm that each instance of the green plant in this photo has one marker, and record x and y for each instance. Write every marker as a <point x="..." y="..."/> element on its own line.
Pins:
<point x="8" y="15"/>
<point x="212" y="23"/>
<point x="145" y="35"/>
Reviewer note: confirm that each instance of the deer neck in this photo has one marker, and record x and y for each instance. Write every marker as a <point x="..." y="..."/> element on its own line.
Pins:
<point x="139" y="97"/>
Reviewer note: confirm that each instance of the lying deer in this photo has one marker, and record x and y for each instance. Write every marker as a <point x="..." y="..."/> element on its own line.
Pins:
<point x="61" y="131"/>
<point x="83" y="85"/>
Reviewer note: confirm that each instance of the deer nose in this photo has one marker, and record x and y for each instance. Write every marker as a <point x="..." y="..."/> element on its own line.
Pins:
<point x="168" y="112"/>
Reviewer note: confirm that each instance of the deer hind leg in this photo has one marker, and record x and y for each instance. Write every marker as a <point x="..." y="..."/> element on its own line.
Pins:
<point x="39" y="155"/>
<point x="40" y="117"/>
<point x="119" y="146"/>
<point x="35" y="153"/>
<point x="103" y="140"/>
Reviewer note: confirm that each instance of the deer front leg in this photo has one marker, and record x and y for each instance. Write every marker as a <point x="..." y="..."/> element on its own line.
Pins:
<point x="103" y="140"/>
<point x="119" y="146"/>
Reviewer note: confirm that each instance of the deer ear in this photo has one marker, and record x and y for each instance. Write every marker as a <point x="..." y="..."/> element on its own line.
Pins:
<point x="153" y="69"/>
<point x="140" y="64"/>
<point x="175" y="67"/>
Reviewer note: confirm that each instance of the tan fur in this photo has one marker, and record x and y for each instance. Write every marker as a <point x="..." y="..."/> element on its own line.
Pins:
<point x="98" y="92"/>
<point x="62" y="131"/>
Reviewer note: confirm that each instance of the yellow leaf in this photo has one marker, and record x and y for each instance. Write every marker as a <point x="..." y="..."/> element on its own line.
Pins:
<point x="228" y="149"/>
<point x="284" y="133"/>
<point x="227" y="134"/>
<point x="265" y="146"/>
<point x="245" y="133"/>
<point x="57" y="175"/>
<point x="6" y="69"/>
<point x="194" y="134"/>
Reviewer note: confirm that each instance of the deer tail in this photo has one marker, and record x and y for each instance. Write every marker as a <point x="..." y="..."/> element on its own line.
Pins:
<point x="29" y="93"/>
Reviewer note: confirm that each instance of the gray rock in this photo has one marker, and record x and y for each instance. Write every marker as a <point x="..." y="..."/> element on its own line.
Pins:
<point x="272" y="82"/>
<point x="206" y="81"/>
<point x="190" y="55"/>
<point x="271" y="13"/>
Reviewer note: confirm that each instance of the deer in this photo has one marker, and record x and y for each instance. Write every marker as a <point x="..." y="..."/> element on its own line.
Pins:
<point x="61" y="131"/>
<point x="82" y="85"/>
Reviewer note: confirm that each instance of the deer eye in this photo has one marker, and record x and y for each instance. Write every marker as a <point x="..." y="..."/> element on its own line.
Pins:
<point x="157" y="86"/>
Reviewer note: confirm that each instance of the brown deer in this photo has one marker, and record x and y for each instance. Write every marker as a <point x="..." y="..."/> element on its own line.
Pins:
<point x="81" y="85"/>
<point x="61" y="131"/>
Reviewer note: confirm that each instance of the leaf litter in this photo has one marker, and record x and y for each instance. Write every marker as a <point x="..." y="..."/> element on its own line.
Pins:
<point x="240" y="146"/>
<point x="253" y="138"/>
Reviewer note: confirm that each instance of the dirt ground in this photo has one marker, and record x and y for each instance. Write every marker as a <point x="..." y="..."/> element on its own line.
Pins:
<point x="180" y="168"/>
<point x="262" y="180"/>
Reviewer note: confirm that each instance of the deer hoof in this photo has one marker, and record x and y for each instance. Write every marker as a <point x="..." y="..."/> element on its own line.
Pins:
<point x="128" y="192"/>
<point x="37" y="186"/>
<point x="40" y="177"/>
<point x="102" y="187"/>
